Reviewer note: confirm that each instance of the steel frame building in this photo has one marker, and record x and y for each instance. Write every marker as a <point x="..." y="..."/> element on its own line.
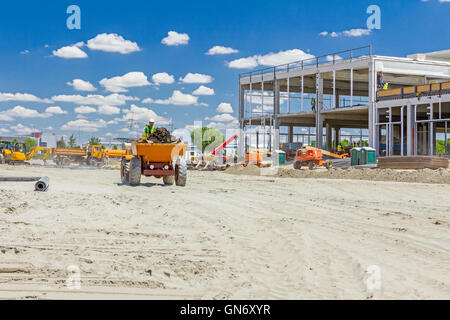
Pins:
<point x="339" y="90"/>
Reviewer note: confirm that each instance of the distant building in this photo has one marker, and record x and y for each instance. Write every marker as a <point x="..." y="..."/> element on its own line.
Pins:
<point x="48" y="139"/>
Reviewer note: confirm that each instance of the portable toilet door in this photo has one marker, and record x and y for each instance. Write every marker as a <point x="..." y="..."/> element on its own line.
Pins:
<point x="280" y="158"/>
<point x="355" y="157"/>
<point x="369" y="155"/>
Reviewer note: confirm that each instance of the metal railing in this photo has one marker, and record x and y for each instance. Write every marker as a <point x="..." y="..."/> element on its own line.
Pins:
<point x="332" y="58"/>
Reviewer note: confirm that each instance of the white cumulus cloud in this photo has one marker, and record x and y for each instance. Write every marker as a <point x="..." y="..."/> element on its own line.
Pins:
<point x="141" y="114"/>
<point x="21" y="129"/>
<point x="81" y="85"/>
<point x="270" y="59"/>
<point x="244" y="63"/>
<point x="70" y="52"/>
<point x="112" y="42"/>
<point x="148" y="100"/>
<point x="108" y="110"/>
<point x="25" y="97"/>
<point x="221" y="50"/>
<point x="175" y="39"/>
<point x="224" y="125"/>
<point x="22" y="112"/>
<point x="84" y="110"/>
<point x="347" y="33"/>
<point x="121" y="83"/>
<point x="84" y="125"/>
<point x="203" y="91"/>
<point x="225" y="117"/>
<point x="114" y="99"/>
<point x="163" y="78"/>
<point x="179" y="99"/>
<point x="224" y="108"/>
<point x="55" y="110"/>
<point x="197" y="78"/>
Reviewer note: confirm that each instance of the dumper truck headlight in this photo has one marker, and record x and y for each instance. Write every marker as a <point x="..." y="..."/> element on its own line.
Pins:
<point x="166" y="167"/>
<point x="152" y="167"/>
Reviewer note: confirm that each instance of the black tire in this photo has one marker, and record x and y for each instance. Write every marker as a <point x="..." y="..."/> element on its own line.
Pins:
<point x="312" y="165"/>
<point x="297" y="165"/>
<point x="169" y="180"/>
<point x="329" y="164"/>
<point x="65" y="162"/>
<point x="181" y="172"/>
<point x="125" y="171"/>
<point x="91" y="162"/>
<point x="135" y="171"/>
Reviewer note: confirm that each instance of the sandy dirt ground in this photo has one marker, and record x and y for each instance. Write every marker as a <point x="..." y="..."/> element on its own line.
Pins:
<point x="223" y="236"/>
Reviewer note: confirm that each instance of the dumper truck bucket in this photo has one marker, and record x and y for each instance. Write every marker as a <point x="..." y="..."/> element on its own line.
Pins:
<point x="159" y="152"/>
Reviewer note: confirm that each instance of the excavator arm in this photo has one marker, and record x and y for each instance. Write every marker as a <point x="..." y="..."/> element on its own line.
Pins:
<point x="37" y="149"/>
<point x="327" y="153"/>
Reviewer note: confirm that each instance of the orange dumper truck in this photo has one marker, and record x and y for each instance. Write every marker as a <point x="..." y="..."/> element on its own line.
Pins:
<point x="160" y="160"/>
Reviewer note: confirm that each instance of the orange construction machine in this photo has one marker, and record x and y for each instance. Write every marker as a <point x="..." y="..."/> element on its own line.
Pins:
<point x="253" y="158"/>
<point x="160" y="160"/>
<point x="313" y="157"/>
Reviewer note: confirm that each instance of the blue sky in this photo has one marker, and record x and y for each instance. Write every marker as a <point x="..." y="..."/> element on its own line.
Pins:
<point x="126" y="36"/>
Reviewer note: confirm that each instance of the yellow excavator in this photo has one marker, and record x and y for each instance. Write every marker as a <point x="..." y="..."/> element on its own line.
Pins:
<point x="14" y="153"/>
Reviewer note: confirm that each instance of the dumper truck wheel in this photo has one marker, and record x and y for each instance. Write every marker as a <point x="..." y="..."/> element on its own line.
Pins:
<point x="135" y="171"/>
<point x="169" y="180"/>
<point x="297" y="165"/>
<point x="329" y="164"/>
<point x="312" y="165"/>
<point x="65" y="161"/>
<point x="125" y="171"/>
<point x="181" y="172"/>
<point x="91" y="162"/>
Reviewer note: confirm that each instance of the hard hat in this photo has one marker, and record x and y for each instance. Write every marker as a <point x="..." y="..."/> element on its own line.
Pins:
<point x="152" y="120"/>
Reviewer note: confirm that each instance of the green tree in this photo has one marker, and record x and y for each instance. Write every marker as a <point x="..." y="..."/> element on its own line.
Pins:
<point x="14" y="141"/>
<point x="72" y="141"/>
<point x="440" y="147"/>
<point x="94" y="141"/>
<point x="114" y="147"/>
<point x="29" y="144"/>
<point x="205" y="138"/>
<point x="61" y="143"/>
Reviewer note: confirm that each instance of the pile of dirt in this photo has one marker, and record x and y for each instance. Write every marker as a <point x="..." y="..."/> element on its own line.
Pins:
<point x="441" y="176"/>
<point x="162" y="135"/>
<point x="250" y="170"/>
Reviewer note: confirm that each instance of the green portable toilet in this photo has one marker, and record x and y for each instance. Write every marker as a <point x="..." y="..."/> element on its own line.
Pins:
<point x="281" y="157"/>
<point x="356" y="156"/>
<point x="368" y="156"/>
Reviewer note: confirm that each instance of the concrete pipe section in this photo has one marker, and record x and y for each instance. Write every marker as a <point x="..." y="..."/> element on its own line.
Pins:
<point x="41" y="185"/>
